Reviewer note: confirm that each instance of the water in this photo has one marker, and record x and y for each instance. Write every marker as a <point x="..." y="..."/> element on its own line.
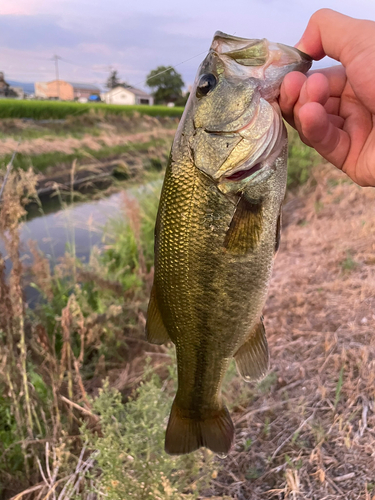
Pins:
<point x="78" y="228"/>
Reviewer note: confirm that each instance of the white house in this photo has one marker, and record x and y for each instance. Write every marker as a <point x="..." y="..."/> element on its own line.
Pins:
<point x="130" y="95"/>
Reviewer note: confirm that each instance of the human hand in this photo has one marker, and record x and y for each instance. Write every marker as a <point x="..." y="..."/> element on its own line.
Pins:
<point x="333" y="109"/>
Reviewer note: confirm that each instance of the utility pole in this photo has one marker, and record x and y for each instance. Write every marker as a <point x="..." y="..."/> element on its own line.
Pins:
<point x="56" y="58"/>
<point x="110" y="88"/>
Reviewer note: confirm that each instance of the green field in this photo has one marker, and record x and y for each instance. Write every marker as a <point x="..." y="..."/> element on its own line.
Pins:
<point x="45" y="110"/>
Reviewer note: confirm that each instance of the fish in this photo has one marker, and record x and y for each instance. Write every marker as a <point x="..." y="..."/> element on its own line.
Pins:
<point x="217" y="232"/>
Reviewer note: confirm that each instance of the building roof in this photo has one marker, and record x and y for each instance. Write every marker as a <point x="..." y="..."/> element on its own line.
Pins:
<point x="137" y="92"/>
<point x="84" y="86"/>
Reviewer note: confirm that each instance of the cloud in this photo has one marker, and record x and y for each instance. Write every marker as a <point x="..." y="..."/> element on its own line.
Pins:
<point x="34" y="32"/>
<point x="134" y="43"/>
<point x="19" y="7"/>
<point x="135" y="38"/>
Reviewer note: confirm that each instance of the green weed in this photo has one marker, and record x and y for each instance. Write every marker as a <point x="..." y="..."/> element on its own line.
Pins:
<point x="348" y="264"/>
<point x="253" y="473"/>
<point x="318" y="205"/>
<point x="266" y="384"/>
<point x="339" y="387"/>
<point x="248" y="444"/>
<point x="267" y="427"/>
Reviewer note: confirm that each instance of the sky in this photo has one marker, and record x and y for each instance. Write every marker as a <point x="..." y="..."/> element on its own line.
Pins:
<point x="94" y="36"/>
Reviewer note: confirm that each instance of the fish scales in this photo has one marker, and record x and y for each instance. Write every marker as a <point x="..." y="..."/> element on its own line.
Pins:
<point x="216" y="234"/>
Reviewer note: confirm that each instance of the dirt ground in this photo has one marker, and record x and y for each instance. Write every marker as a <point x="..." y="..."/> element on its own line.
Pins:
<point x="308" y="430"/>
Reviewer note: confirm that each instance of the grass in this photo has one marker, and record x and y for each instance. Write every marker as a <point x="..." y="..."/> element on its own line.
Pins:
<point x="348" y="264"/>
<point x="46" y="110"/>
<point x="301" y="160"/>
<point x="84" y="400"/>
<point x="57" y="130"/>
<point x="93" y="123"/>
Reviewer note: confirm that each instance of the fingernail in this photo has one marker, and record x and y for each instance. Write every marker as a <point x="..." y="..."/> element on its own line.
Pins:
<point x="300" y="46"/>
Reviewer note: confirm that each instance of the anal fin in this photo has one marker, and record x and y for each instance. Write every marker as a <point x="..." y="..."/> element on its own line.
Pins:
<point x="156" y="332"/>
<point x="252" y="358"/>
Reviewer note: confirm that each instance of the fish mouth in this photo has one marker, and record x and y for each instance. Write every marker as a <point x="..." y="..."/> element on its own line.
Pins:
<point x="240" y="175"/>
<point x="248" y="122"/>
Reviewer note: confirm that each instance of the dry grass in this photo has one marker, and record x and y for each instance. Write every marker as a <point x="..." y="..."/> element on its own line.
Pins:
<point x="69" y="145"/>
<point x="309" y="430"/>
<point x="29" y="343"/>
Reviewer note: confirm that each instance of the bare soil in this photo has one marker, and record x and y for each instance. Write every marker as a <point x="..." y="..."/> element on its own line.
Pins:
<point x="308" y="430"/>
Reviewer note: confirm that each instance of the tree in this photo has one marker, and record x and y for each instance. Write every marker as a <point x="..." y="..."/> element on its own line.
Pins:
<point x="166" y="84"/>
<point x="114" y="80"/>
<point x="181" y="101"/>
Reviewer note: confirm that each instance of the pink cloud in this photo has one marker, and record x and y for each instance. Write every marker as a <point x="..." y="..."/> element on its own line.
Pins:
<point x="24" y="7"/>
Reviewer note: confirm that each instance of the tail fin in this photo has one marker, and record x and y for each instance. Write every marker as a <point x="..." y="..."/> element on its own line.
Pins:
<point x="185" y="435"/>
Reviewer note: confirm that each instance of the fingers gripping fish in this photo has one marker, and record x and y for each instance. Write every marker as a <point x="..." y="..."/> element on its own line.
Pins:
<point x="217" y="230"/>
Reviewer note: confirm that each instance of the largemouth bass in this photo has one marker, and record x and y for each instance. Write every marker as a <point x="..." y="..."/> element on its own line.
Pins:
<point x="217" y="231"/>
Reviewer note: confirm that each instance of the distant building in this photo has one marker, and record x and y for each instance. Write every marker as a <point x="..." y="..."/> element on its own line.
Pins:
<point x="129" y="95"/>
<point x="4" y="86"/>
<point x="65" y="91"/>
<point x="18" y="91"/>
<point x="84" y="90"/>
<point x="5" y="89"/>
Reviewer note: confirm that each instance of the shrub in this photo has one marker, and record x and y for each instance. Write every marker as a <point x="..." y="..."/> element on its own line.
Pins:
<point x="130" y="461"/>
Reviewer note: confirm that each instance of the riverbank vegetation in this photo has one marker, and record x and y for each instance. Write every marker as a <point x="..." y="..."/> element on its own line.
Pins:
<point x="84" y="399"/>
<point x="51" y="147"/>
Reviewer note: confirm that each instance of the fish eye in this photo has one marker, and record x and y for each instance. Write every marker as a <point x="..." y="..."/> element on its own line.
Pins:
<point x="206" y="83"/>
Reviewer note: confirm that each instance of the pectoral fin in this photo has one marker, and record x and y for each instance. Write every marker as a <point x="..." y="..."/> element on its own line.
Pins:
<point x="245" y="229"/>
<point x="252" y="358"/>
<point x="156" y="332"/>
